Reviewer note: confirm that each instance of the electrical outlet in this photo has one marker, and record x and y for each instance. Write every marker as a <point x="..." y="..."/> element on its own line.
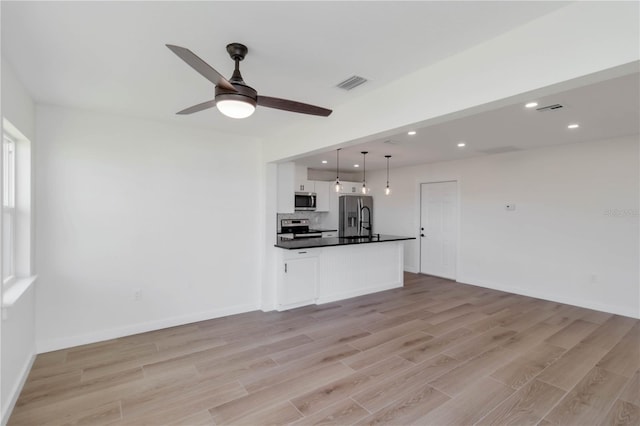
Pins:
<point x="137" y="294"/>
<point x="510" y="207"/>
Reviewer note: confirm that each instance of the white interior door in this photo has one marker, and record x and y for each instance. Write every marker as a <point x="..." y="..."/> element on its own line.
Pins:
<point x="439" y="228"/>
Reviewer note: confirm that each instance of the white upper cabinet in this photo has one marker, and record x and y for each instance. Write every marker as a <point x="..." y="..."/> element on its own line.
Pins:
<point x="323" y="192"/>
<point x="303" y="185"/>
<point x="351" y="187"/>
<point x="292" y="179"/>
<point x="286" y="178"/>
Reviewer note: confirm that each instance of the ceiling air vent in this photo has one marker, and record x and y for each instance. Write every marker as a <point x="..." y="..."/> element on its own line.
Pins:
<point x="352" y="82"/>
<point x="550" y="107"/>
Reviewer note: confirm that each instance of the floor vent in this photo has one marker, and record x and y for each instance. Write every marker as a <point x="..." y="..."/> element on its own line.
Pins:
<point x="550" y="107"/>
<point x="352" y="82"/>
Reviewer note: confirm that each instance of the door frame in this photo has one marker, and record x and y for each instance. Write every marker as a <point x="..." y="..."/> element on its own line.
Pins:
<point x="456" y="220"/>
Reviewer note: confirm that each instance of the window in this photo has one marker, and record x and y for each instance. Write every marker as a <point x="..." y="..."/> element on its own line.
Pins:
<point x="16" y="257"/>
<point x="8" y="209"/>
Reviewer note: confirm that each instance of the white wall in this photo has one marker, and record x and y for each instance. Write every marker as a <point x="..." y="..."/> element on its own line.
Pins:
<point x="576" y="216"/>
<point x="17" y="105"/>
<point x="17" y="330"/>
<point x="135" y="204"/>
<point x="18" y="349"/>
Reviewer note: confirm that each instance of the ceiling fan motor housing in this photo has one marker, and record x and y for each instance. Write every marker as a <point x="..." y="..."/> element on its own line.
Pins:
<point x="244" y="93"/>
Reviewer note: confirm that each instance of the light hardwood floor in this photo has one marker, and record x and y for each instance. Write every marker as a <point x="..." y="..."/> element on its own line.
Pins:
<point x="432" y="353"/>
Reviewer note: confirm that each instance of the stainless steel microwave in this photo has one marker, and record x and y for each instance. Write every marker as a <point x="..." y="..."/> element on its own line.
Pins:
<point x="305" y="201"/>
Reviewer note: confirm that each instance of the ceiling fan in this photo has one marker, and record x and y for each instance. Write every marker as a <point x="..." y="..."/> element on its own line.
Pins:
<point x="233" y="97"/>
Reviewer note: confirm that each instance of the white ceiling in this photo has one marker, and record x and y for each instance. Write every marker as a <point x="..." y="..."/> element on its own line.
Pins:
<point x="606" y="109"/>
<point x="111" y="56"/>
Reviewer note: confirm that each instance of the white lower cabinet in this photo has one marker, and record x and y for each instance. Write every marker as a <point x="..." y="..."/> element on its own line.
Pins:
<point x="322" y="275"/>
<point x="298" y="281"/>
<point x="357" y="269"/>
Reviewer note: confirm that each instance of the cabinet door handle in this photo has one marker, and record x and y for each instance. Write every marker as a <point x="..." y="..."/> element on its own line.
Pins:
<point x="285" y="268"/>
<point x="302" y="252"/>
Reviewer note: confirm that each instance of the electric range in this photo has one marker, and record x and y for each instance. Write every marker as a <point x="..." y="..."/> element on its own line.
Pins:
<point x="297" y="228"/>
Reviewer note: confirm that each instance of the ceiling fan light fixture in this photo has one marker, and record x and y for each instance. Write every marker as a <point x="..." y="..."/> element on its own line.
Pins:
<point x="235" y="108"/>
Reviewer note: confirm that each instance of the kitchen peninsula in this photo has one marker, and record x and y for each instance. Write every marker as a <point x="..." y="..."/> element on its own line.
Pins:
<point x="322" y="270"/>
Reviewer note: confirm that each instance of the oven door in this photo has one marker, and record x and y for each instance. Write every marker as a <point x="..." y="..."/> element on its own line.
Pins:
<point x="305" y="201"/>
<point x="307" y="235"/>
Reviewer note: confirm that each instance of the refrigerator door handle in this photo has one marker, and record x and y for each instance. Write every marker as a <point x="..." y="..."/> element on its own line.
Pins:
<point x="359" y="207"/>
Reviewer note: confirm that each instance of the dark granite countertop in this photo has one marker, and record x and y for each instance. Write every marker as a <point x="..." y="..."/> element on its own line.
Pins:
<point x="306" y="243"/>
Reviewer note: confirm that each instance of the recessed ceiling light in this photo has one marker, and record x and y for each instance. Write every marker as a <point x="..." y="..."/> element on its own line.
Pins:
<point x="531" y="105"/>
<point x="411" y="133"/>
<point x="356" y="165"/>
<point x="324" y="161"/>
<point x="573" y="126"/>
<point x="461" y="144"/>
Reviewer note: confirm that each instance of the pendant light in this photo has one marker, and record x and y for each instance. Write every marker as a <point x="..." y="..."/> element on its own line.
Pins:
<point x="364" y="172"/>
<point x="338" y="186"/>
<point x="387" y="190"/>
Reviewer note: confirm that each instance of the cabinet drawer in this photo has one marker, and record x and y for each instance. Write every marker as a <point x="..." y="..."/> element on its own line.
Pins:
<point x="300" y="254"/>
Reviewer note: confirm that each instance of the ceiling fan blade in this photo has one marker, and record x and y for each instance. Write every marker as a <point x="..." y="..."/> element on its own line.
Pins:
<point x="201" y="66"/>
<point x="199" y="107"/>
<point x="292" y="106"/>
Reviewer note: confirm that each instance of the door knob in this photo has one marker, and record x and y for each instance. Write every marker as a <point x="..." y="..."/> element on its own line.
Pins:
<point x="422" y="235"/>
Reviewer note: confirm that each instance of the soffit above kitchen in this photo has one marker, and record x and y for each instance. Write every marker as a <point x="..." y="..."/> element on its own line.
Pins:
<point x="605" y="109"/>
<point x="111" y="56"/>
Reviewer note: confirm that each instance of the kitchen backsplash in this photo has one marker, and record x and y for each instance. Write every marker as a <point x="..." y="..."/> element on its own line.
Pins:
<point x="316" y="220"/>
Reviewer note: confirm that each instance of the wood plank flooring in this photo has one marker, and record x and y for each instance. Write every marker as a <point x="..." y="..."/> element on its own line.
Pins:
<point x="432" y="353"/>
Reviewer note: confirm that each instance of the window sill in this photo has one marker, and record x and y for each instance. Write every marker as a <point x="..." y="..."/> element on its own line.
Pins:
<point x="15" y="290"/>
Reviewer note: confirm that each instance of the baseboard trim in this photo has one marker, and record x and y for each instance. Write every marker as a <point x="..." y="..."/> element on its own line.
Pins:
<point x="17" y="388"/>
<point x="114" y="333"/>
<point x="356" y="293"/>
<point x="544" y="296"/>
<point x="411" y="269"/>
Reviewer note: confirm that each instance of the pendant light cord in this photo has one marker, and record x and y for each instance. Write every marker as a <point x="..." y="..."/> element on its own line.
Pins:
<point x="387" y="190"/>
<point x="387" y="170"/>
<point x="364" y="166"/>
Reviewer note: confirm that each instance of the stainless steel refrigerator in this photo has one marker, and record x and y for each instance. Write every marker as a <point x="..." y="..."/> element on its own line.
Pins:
<point x="356" y="216"/>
